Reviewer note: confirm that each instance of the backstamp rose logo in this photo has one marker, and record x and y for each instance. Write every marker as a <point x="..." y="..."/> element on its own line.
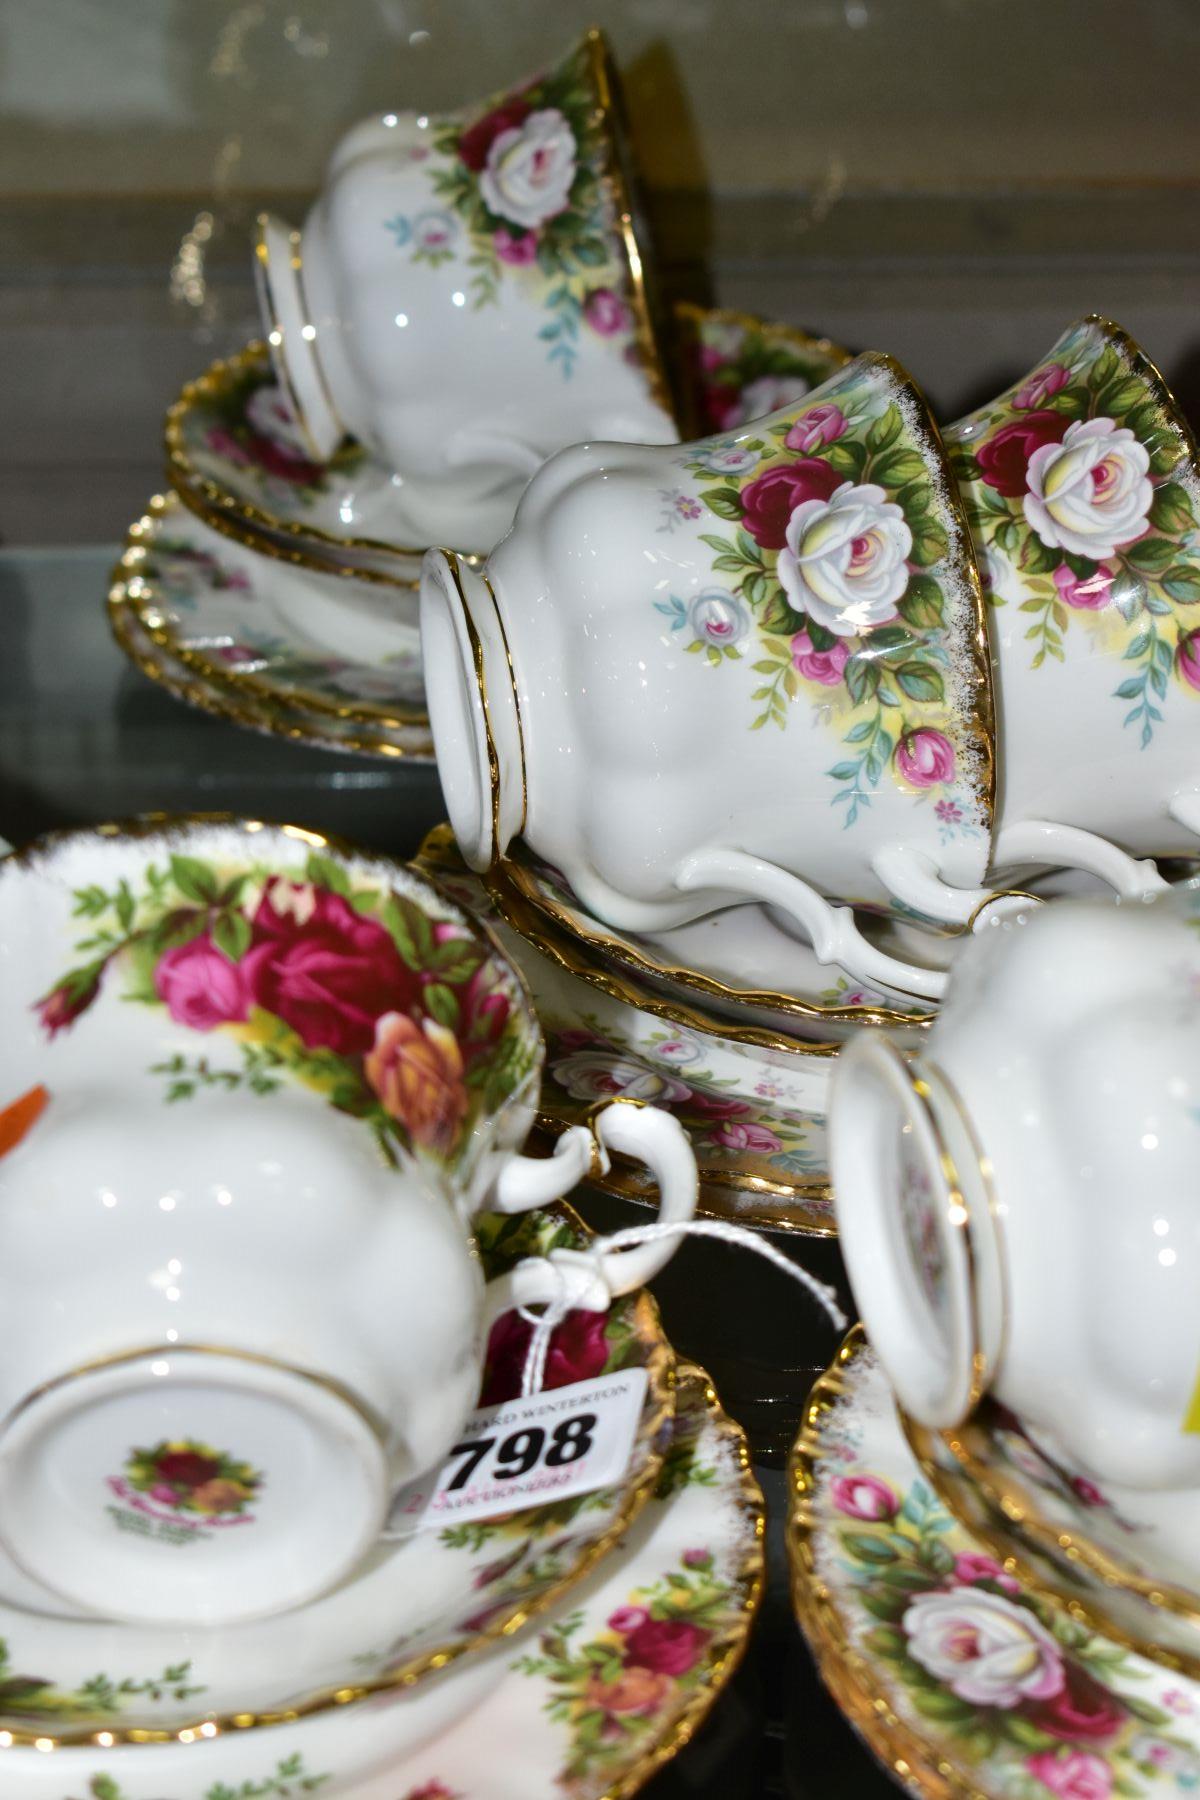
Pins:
<point x="192" y="1478"/>
<point x="395" y="1014"/>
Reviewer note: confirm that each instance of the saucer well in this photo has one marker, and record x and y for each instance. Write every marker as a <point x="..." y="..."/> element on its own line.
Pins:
<point x="965" y="1683"/>
<point x="287" y="644"/>
<point x="236" y="458"/>
<point x="590" y="1702"/>
<point x="752" y="1102"/>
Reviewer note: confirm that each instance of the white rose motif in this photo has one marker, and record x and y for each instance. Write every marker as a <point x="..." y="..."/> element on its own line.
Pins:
<point x="987" y="1650"/>
<point x="530" y="169"/>
<point x="593" y="1075"/>
<point x="719" y="618"/>
<point x="767" y="395"/>
<point x="434" y="230"/>
<point x="268" y="413"/>
<point x="1090" y="493"/>
<point x="844" y="563"/>
<point x="677" y="1049"/>
<point x="732" y="459"/>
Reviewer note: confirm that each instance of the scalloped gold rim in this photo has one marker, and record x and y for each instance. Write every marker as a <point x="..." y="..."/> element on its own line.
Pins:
<point x="139" y="539"/>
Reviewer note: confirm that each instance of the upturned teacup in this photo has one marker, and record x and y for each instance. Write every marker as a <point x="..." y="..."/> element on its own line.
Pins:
<point x="257" y="1086"/>
<point x="1017" y="1202"/>
<point x="1082" y="489"/>
<point x="468" y="294"/>
<point x="750" y="669"/>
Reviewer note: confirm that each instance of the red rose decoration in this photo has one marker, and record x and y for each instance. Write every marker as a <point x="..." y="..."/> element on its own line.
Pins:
<point x="276" y="460"/>
<point x="187" y="1468"/>
<point x="578" y="1351"/>
<point x="770" y="501"/>
<point x="1081" y="1711"/>
<point x="1004" y="458"/>
<point x="668" y="1646"/>
<point x="477" y="140"/>
<point x="324" y="969"/>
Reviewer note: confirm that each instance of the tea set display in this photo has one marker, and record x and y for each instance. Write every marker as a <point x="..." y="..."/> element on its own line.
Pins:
<point x="820" y="787"/>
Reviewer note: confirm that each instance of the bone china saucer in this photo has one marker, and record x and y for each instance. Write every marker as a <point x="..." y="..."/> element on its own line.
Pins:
<point x="590" y="1702"/>
<point x="236" y="458"/>
<point x="286" y="648"/>
<point x="752" y="1103"/>
<point x="965" y="1683"/>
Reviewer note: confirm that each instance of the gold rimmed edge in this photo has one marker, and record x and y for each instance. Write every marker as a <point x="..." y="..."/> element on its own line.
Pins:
<point x="606" y="943"/>
<point x="992" y="1532"/>
<point x="1012" y="1502"/>
<point x="979" y="711"/>
<point x="689" y="319"/>
<point x="564" y="951"/>
<point x="1148" y="370"/>
<point x="650" y="332"/>
<point x="454" y="564"/>
<point x="725" y="1652"/>
<point x="620" y="1182"/>
<point x="275" y="337"/>
<point x="124" y="623"/>
<point x="852" y="1680"/>
<point x="139" y="543"/>
<point x="219" y="375"/>
<point x="263" y="544"/>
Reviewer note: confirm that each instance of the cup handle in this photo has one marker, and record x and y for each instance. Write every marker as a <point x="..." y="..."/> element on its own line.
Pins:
<point x="1185" y="810"/>
<point x="1036" y="841"/>
<point x="832" y="930"/>
<point x="591" y="1279"/>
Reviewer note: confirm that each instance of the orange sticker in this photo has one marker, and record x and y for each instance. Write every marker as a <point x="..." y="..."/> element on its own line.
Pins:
<point x="19" y="1118"/>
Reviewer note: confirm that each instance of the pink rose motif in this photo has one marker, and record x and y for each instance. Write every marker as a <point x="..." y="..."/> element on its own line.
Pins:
<point x="627" y="1619"/>
<point x="166" y="1496"/>
<point x="1040" y="386"/>
<point x="278" y="459"/>
<point x="575" y="1039"/>
<point x="1076" y="1776"/>
<point x="1004" y="459"/>
<point x="516" y="248"/>
<point x="200" y="987"/>
<point x="432" y="1790"/>
<point x="485" y="1009"/>
<point x="1086" y="1491"/>
<point x="1082" y="1711"/>
<point x="825" y="666"/>
<point x="606" y="312"/>
<point x="710" y="358"/>
<point x="744" y="1134"/>
<point x="720" y="404"/>
<point x="1187" y="659"/>
<point x="477" y="140"/>
<point x="1089" y="592"/>
<point x="578" y="1351"/>
<point x="970" y="1566"/>
<point x="327" y="971"/>
<point x="666" y="1646"/>
<point x="62" y="1006"/>
<point x="770" y="501"/>
<point x="864" y="1497"/>
<point x="823" y="425"/>
<point x="925" y="757"/>
<point x="697" y="1559"/>
<point x="223" y="443"/>
<point x="718" y="1106"/>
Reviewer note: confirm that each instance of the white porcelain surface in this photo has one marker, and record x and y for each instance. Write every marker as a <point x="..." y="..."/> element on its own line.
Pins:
<point x="217" y="1030"/>
<point x="1023" y="1191"/>
<point x="623" y="646"/>
<point x="690" y="1565"/>
<point x="465" y="298"/>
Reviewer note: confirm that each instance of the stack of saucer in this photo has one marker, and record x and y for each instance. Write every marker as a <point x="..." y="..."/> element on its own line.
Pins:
<point x="256" y="1086"/>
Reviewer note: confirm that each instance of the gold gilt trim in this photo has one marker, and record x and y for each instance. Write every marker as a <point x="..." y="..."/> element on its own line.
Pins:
<point x="689" y="321"/>
<point x="139" y="542"/>
<point x="564" y="951"/>
<point x="1000" y="1536"/>
<point x="223" y="374"/>
<point x="722" y="1193"/>
<point x="275" y="335"/>
<point x="1152" y="375"/>
<point x="726" y="1648"/>
<point x="184" y="686"/>
<point x="851" y="1678"/>
<point x="642" y="965"/>
<point x="979" y="713"/>
<point x="649" y="323"/>
<point x="454" y="563"/>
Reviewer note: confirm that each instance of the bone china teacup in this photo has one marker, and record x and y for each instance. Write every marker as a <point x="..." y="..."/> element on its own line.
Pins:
<point x="468" y="295"/>
<point x="1017" y="1203"/>
<point x="257" y="1087"/>
<point x="750" y="669"/>
<point x="1082" y="489"/>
